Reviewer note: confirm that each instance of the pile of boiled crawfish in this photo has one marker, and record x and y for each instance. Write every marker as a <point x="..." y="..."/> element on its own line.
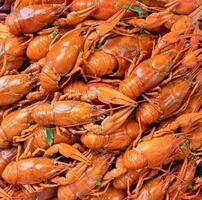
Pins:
<point x="101" y="100"/>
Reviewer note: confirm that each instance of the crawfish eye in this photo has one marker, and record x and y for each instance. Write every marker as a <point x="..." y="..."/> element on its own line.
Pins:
<point x="83" y="32"/>
<point x="200" y="24"/>
<point x="56" y="163"/>
<point x="178" y="130"/>
<point x="62" y="79"/>
<point x="199" y="170"/>
<point x="115" y="69"/>
<point x="31" y="74"/>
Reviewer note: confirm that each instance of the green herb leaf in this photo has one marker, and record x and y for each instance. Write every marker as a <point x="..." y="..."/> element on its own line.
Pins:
<point x="189" y="186"/>
<point x="182" y="144"/>
<point x="98" y="183"/>
<point x="138" y="10"/>
<point x="49" y="135"/>
<point x="142" y="30"/>
<point x="54" y="33"/>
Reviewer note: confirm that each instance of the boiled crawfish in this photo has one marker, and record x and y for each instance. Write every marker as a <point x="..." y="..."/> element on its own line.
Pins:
<point x="37" y="15"/>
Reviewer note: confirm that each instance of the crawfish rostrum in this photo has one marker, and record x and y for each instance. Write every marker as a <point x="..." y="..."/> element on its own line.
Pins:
<point x="100" y="100"/>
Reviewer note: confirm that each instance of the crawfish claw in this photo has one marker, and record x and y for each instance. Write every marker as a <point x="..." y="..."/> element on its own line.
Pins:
<point x="67" y="151"/>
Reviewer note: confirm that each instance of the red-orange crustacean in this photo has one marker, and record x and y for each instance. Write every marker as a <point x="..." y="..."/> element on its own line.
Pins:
<point x="167" y="102"/>
<point x="36" y="170"/>
<point x="65" y="56"/>
<point x="13" y="124"/>
<point x="62" y="58"/>
<point x="120" y="139"/>
<point x="100" y="99"/>
<point x="90" y="176"/>
<point x="68" y="114"/>
<point x="37" y="15"/>
<point x="13" y="52"/>
<point x="148" y="74"/>
<point x="152" y="153"/>
<point x="37" y="143"/>
<point x="104" y="8"/>
<point x="14" y="87"/>
<point x="113" y="57"/>
<point x="6" y="156"/>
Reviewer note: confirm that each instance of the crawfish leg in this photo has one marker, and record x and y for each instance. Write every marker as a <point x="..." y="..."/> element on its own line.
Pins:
<point x="38" y="150"/>
<point x="27" y="152"/>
